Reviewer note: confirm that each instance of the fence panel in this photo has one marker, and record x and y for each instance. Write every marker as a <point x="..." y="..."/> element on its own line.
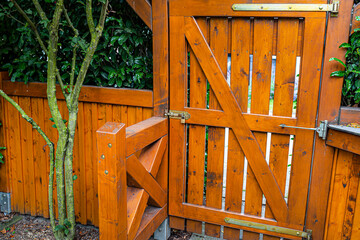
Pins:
<point x="27" y="155"/>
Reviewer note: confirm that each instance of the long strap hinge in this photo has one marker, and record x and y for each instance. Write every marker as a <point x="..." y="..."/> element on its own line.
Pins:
<point x="333" y="8"/>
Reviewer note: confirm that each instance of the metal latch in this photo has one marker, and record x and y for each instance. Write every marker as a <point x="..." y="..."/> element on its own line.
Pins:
<point x="178" y="115"/>
<point x="321" y="130"/>
<point x="333" y="7"/>
<point x="275" y="229"/>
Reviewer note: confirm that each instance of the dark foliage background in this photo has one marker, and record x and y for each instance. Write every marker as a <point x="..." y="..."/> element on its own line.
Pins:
<point x="123" y="57"/>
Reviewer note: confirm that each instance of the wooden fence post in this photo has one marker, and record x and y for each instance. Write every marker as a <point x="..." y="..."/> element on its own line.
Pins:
<point x="112" y="185"/>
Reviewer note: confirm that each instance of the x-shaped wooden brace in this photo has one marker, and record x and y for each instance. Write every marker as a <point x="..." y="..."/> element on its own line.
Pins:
<point x="243" y="133"/>
<point x="143" y="187"/>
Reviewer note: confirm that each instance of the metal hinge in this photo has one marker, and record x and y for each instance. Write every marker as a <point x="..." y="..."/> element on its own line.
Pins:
<point x="271" y="228"/>
<point x="5" y="203"/>
<point x="178" y="115"/>
<point x="333" y="7"/>
<point x="321" y="130"/>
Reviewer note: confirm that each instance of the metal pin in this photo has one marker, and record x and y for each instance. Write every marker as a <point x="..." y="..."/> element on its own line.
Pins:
<point x="103" y="156"/>
<point x="110" y="145"/>
<point x="106" y="171"/>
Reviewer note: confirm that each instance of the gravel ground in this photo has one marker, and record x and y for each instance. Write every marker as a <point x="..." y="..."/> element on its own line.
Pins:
<point x="39" y="228"/>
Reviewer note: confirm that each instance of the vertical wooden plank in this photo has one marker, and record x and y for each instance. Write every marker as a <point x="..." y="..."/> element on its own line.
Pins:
<point x="215" y="161"/>
<point x="339" y="195"/>
<point x="40" y="159"/>
<point x="355" y="232"/>
<point x="260" y="96"/>
<point x="330" y="97"/>
<point x="306" y="116"/>
<point x="112" y="181"/>
<point x="117" y="113"/>
<point x="77" y="173"/>
<point x="283" y="100"/>
<point x="124" y="115"/>
<point x="131" y="116"/>
<point x="13" y="123"/>
<point x="240" y="67"/>
<point x="178" y="56"/>
<point x="196" y="159"/>
<point x="4" y="167"/>
<point x="98" y="120"/>
<point x="351" y="199"/>
<point x="147" y="113"/>
<point x="89" y="162"/>
<point x="160" y="56"/>
<point x="139" y="114"/>
<point x="27" y="159"/>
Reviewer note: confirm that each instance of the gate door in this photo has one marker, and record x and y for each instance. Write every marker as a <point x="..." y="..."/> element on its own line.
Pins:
<point x="240" y="75"/>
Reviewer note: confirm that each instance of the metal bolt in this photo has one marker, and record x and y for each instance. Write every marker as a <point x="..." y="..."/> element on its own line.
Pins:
<point x="321" y="7"/>
<point x="261" y="7"/>
<point x="103" y="156"/>
<point x="106" y="171"/>
<point x="298" y="233"/>
<point x="290" y="7"/>
<point x="110" y="145"/>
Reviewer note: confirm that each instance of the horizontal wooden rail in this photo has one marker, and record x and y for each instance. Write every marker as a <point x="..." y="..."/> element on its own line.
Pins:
<point x="119" y="96"/>
<point x="132" y="178"/>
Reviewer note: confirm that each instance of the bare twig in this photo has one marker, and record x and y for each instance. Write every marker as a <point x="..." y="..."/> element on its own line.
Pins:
<point x="8" y="14"/>
<point x="31" y="24"/>
<point x="40" y="11"/>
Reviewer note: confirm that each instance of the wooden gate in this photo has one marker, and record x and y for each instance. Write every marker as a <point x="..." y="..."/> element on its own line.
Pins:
<point x="240" y="75"/>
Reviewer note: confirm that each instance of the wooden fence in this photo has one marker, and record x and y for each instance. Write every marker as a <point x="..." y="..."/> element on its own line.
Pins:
<point x="26" y="169"/>
<point x="343" y="215"/>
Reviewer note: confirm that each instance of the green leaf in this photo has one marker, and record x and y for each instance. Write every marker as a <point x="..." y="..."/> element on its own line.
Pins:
<point x="337" y="74"/>
<point x="54" y="126"/>
<point x="67" y="223"/>
<point x="345" y="45"/>
<point x="75" y="177"/>
<point x="338" y="60"/>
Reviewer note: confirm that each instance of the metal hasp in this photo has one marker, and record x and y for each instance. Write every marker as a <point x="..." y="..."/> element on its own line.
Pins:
<point x="5" y="203"/>
<point x="321" y="130"/>
<point x="178" y="115"/>
<point x="333" y="7"/>
<point x="275" y="229"/>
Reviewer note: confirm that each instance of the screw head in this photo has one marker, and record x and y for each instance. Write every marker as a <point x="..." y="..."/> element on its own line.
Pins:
<point x="109" y="145"/>
<point x="298" y="233"/>
<point x="103" y="156"/>
<point x="321" y="7"/>
<point x="106" y="172"/>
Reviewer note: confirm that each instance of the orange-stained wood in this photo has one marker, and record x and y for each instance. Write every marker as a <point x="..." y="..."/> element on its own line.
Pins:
<point x="244" y="135"/>
<point x="196" y="159"/>
<point x="4" y="168"/>
<point x="150" y="221"/>
<point x="160" y="56"/>
<point x="344" y="141"/>
<point x="330" y="98"/>
<point x="120" y="96"/>
<point x="216" y="136"/>
<point x="112" y="179"/>
<point x="142" y="134"/>
<point x="143" y="10"/>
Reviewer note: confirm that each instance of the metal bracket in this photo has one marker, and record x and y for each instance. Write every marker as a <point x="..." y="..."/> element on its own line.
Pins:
<point x="5" y="202"/>
<point x="321" y="130"/>
<point x="333" y="7"/>
<point x="271" y="228"/>
<point x="178" y="115"/>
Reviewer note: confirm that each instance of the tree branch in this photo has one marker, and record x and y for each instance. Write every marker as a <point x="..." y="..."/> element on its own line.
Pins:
<point x="76" y="32"/>
<point x="40" y="11"/>
<point x="9" y="15"/>
<point x="48" y="142"/>
<point x="31" y="24"/>
<point x="95" y="37"/>
<point x="89" y="17"/>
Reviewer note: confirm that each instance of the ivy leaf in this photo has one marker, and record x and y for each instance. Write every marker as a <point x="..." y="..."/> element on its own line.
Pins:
<point x="75" y="177"/>
<point x="345" y="45"/>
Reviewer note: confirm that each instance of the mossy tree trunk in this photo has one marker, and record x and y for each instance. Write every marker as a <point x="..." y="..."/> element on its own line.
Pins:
<point x="61" y="159"/>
